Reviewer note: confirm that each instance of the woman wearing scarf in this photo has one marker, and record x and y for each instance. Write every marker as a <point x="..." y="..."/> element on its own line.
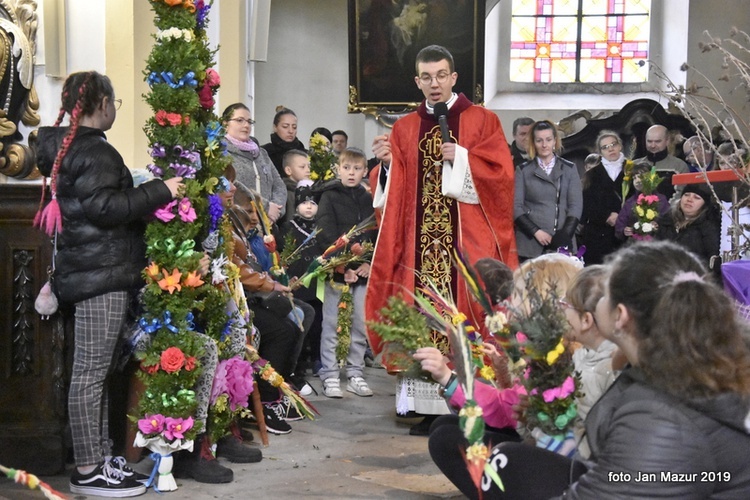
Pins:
<point x="251" y="162"/>
<point x="284" y="137"/>
<point x="602" y="198"/>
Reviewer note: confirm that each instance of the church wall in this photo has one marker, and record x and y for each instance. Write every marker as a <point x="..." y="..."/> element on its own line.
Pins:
<point x="307" y="70"/>
<point x="717" y="17"/>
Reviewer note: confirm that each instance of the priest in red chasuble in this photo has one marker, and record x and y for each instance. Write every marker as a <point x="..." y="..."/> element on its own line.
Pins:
<point x="438" y="195"/>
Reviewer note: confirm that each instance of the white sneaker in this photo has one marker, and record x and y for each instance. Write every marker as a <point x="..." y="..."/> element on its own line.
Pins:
<point x="306" y="390"/>
<point x="332" y="388"/>
<point x="358" y="386"/>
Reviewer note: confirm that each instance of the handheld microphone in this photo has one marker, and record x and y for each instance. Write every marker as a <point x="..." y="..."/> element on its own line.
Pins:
<point x="441" y="113"/>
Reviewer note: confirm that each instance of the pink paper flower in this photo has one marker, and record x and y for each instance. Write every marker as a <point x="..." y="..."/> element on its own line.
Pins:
<point x="212" y="78"/>
<point x="161" y="117"/>
<point x="521" y="338"/>
<point x="174" y="119"/>
<point x="219" y="386"/>
<point x="206" y="97"/>
<point x="239" y="382"/>
<point x="233" y="377"/>
<point x="164" y="213"/>
<point x="186" y="210"/>
<point x="151" y="424"/>
<point x="566" y="389"/>
<point x="177" y="427"/>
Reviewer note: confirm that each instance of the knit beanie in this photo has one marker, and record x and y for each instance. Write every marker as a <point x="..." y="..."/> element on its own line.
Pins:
<point x="304" y="193"/>
<point x="700" y="189"/>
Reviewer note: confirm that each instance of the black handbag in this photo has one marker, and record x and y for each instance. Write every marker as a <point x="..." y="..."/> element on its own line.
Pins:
<point x="274" y="301"/>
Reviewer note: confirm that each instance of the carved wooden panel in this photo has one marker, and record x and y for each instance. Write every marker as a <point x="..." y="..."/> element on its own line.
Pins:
<point x="33" y="387"/>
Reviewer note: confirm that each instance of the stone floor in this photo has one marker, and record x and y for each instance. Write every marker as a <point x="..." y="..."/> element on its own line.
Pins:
<point x="357" y="448"/>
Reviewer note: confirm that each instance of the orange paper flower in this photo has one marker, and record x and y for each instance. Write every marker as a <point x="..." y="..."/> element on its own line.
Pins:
<point x="152" y="271"/>
<point x="193" y="280"/>
<point x="170" y="282"/>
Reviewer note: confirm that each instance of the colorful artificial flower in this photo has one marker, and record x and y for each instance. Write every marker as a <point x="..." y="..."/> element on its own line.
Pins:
<point x="567" y="388"/>
<point x="175" y="428"/>
<point x="152" y="271"/>
<point x="151" y="424"/>
<point x="165" y="213"/>
<point x="627" y="176"/>
<point x="170" y="282"/>
<point x="192" y="280"/>
<point x="190" y="363"/>
<point x="186" y="211"/>
<point x="150" y="369"/>
<point x="206" y="97"/>
<point x="172" y="359"/>
<point x="555" y="353"/>
<point x="322" y="159"/>
<point x="239" y="375"/>
<point x="646" y="207"/>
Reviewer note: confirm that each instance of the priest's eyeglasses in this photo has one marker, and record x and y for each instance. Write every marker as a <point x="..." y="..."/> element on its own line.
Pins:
<point x="118" y="103"/>
<point x="243" y="121"/>
<point x="441" y="78"/>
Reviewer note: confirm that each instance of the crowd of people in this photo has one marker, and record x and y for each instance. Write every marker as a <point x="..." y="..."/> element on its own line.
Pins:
<point x="663" y="358"/>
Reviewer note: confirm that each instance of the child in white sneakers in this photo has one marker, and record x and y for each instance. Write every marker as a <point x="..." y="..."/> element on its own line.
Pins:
<point x="344" y="204"/>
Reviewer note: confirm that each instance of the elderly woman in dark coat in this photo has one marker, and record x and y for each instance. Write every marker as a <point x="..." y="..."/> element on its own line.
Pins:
<point x="548" y="201"/>
<point x="603" y="198"/>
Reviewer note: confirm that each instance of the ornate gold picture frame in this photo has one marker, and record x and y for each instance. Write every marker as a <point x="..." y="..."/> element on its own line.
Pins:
<point x="385" y="37"/>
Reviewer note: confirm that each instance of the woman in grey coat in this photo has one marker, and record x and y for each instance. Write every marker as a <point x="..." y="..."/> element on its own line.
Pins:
<point x="548" y="197"/>
<point x="251" y="162"/>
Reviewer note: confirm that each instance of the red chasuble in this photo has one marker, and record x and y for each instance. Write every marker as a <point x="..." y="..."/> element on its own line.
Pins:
<point x="420" y="227"/>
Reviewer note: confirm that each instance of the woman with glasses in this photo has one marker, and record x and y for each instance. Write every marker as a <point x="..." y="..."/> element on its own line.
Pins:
<point x="603" y="199"/>
<point x="547" y="204"/>
<point x="251" y="162"/>
<point x="284" y="137"/>
<point x="98" y="217"/>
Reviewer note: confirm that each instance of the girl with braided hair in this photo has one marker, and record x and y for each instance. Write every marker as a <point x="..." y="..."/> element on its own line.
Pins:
<point x="98" y="217"/>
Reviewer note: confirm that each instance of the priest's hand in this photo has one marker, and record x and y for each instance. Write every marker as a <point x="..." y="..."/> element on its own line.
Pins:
<point x="381" y="148"/>
<point x="449" y="151"/>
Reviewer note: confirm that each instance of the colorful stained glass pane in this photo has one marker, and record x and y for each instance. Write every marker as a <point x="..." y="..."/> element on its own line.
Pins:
<point x="523" y="29"/>
<point x="563" y="70"/>
<point x="594" y="29"/>
<point x="565" y="7"/>
<point x="524" y="8"/>
<point x="596" y="7"/>
<point x="606" y="41"/>
<point x="564" y="29"/>
<point x="636" y="6"/>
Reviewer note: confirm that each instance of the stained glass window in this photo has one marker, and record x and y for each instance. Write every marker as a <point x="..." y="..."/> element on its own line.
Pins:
<point x="586" y="41"/>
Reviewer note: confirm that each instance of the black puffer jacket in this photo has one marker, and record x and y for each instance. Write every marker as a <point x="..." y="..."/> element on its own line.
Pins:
<point x="702" y="236"/>
<point x="101" y="247"/>
<point x="646" y="443"/>
<point x="340" y="209"/>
